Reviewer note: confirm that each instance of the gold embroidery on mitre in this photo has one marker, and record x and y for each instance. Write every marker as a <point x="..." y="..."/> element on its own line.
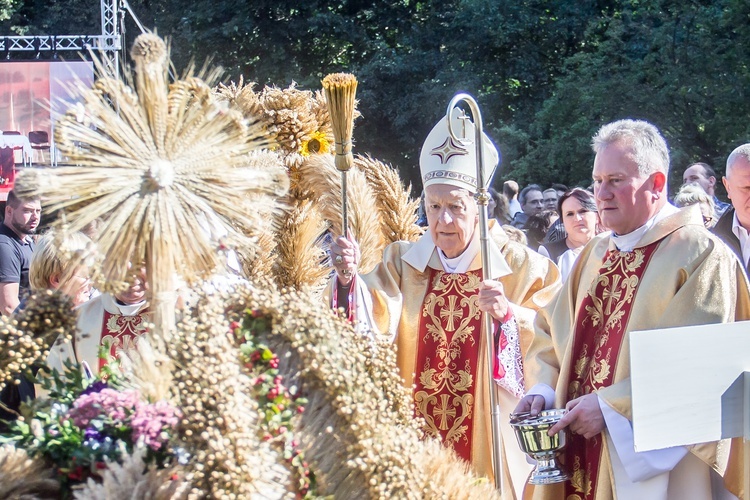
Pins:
<point x="445" y="400"/>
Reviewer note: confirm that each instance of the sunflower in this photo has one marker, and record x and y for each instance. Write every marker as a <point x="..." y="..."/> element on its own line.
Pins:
<point x="318" y="143"/>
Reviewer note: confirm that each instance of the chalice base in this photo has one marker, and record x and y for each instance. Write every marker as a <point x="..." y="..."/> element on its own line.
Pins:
<point x="548" y="470"/>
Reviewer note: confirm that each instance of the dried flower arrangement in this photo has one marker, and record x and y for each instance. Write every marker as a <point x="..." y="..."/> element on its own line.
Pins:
<point x="358" y="431"/>
<point x="166" y="168"/>
<point x="27" y="337"/>
<point x="381" y="209"/>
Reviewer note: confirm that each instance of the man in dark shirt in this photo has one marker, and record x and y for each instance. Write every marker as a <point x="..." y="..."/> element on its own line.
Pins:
<point x="16" y="246"/>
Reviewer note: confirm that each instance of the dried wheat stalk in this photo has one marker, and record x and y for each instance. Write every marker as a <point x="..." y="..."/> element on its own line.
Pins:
<point x="26" y="478"/>
<point x="160" y="164"/>
<point x="397" y="209"/>
<point x="320" y="180"/>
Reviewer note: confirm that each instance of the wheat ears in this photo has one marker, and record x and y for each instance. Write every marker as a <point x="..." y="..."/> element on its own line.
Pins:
<point x="165" y="166"/>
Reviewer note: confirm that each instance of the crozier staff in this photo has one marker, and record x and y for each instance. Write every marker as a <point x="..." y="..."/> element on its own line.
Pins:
<point x="428" y="297"/>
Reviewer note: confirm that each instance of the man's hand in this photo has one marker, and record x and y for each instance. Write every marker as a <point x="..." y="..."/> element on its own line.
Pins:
<point x="533" y="403"/>
<point x="492" y="299"/>
<point x="584" y="417"/>
<point x="345" y="258"/>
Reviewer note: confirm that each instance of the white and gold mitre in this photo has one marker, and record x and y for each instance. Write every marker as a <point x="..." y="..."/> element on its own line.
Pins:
<point x="445" y="160"/>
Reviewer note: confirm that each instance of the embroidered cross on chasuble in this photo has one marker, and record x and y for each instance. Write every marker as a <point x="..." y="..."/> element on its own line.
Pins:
<point x="447" y="358"/>
<point x="599" y="332"/>
<point x="120" y="333"/>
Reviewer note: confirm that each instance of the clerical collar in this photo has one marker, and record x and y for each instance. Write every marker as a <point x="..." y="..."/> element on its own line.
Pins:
<point x="627" y="242"/>
<point x="461" y="263"/>
<point x="742" y="235"/>
<point x="111" y="306"/>
<point x="131" y="309"/>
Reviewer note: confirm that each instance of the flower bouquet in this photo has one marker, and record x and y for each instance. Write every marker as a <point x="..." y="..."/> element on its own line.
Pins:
<point x="87" y="423"/>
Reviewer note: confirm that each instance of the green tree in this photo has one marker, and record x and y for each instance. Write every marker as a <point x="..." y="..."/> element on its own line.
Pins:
<point x="678" y="65"/>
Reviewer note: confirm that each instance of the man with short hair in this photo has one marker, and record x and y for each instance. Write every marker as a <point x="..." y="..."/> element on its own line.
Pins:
<point x="658" y="268"/>
<point x="560" y="188"/>
<point x="549" y="197"/>
<point x="16" y="246"/>
<point x="510" y="190"/>
<point x="532" y="203"/>
<point x="704" y="175"/>
<point x="734" y="225"/>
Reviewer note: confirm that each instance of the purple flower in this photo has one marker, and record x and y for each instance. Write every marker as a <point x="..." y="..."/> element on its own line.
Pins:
<point x="97" y="386"/>
<point x="93" y="434"/>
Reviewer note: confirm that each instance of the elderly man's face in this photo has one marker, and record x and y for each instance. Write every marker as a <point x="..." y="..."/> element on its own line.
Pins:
<point x="625" y="198"/>
<point x="452" y="216"/>
<point x="533" y="204"/>
<point x="737" y="183"/>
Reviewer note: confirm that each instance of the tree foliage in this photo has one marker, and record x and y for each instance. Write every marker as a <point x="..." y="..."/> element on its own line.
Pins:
<point x="546" y="73"/>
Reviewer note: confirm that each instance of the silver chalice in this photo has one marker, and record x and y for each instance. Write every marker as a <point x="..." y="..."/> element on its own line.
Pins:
<point x="531" y="433"/>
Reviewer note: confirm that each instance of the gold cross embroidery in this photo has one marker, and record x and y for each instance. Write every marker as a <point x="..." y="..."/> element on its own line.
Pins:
<point x="612" y="293"/>
<point x="452" y="313"/>
<point x="448" y="149"/>
<point x="444" y="411"/>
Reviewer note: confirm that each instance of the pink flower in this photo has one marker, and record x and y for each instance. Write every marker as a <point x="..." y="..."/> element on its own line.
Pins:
<point x="107" y="404"/>
<point x="150" y="422"/>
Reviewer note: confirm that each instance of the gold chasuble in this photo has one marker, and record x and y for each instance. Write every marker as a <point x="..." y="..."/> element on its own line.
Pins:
<point x="678" y="274"/>
<point x="433" y="318"/>
<point x="599" y="333"/>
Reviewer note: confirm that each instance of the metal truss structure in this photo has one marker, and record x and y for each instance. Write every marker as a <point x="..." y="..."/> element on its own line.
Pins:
<point x="108" y="43"/>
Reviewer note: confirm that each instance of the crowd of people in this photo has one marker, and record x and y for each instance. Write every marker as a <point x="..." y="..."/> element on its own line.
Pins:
<point x="573" y="271"/>
<point x="558" y="222"/>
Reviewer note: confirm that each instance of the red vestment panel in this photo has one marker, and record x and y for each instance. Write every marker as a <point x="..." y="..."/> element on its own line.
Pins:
<point x="447" y="358"/>
<point x="120" y="333"/>
<point x="600" y="329"/>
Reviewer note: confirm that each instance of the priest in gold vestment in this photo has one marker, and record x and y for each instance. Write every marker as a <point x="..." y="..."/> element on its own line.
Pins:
<point x="428" y="297"/>
<point x="658" y="268"/>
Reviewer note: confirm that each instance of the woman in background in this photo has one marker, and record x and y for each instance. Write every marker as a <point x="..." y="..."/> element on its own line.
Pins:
<point x="498" y="207"/>
<point x="577" y="209"/>
<point x="55" y="265"/>
<point x="692" y="194"/>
